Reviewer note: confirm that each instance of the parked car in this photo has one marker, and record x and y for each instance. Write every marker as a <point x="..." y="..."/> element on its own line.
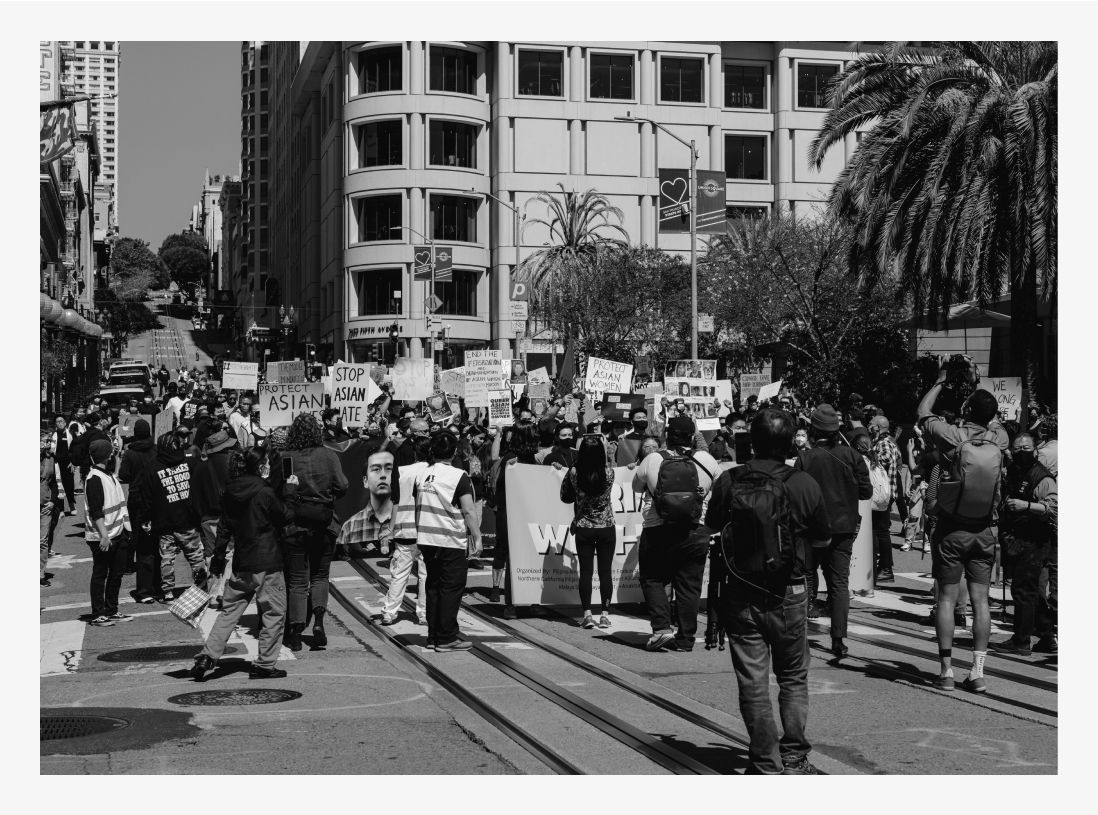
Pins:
<point x="116" y="396"/>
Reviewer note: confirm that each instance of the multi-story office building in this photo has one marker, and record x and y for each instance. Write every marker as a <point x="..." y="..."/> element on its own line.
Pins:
<point x="207" y="218"/>
<point x="92" y="69"/>
<point x="393" y="143"/>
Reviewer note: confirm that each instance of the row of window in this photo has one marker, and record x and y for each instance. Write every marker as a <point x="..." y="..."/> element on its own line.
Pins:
<point x="94" y="45"/>
<point x="378" y="291"/>
<point x="452" y="218"/>
<point x="611" y="76"/>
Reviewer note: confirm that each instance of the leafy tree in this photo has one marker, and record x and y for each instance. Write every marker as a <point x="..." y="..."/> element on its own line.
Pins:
<point x="185" y="256"/>
<point x="124" y="317"/>
<point x="784" y="280"/>
<point x="186" y="238"/>
<point x="135" y="269"/>
<point x="955" y="186"/>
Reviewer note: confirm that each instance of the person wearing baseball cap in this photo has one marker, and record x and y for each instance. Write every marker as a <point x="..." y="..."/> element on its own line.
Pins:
<point x="106" y="522"/>
<point x="673" y="549"/>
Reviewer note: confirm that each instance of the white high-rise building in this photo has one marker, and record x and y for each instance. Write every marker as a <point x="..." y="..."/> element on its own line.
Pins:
<point x="93" y="70"/>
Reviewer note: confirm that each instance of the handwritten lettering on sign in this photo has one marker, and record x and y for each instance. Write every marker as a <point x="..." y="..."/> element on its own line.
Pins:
<point x="604" y="375"/>
<point x="1007" y="391"/>
<point x="484" y="372"/>
<point x="279" y="404"/>
<point x="499" y="407"/>
<point x="413" y="379"/>
<point x="353" y="391"/>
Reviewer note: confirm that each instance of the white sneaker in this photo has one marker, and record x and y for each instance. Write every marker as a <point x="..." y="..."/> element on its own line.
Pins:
<point x="388" y="619"/>
<point x="657" y="641"/>
<point x="588" y="621"/>
<point x="100" y="621"/>
<point x="604" y="621"/>
<point x="119" y="617"/>
<point x="905" y="546"/>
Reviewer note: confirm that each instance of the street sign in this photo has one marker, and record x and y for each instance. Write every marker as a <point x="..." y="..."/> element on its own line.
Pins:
<point x="421" y="263"/>
<point x="674" y="210"/>
<point x="518" y="326"/>
<point x="434" y="303"/>
<point x="520" y="310"/>
<point x="519" y="291"/>
<point x="705" y="323"/>
<point x="444" y="263"/>
<point x="439" y="345"/>
<point x="710" y="202"/>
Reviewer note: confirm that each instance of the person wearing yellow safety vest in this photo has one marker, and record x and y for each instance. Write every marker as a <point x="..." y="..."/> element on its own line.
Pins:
<point x="448" y="534"/>
<point x="106" y="522"/>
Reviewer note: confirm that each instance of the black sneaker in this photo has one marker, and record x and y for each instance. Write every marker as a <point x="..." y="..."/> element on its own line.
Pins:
<point x="839" y="649"/>
<point x="456" y="645"/>
<point x="45" y="581"/>
<point x="493" y="595"/>
<point x="798" y="765"/>
<point x="813" y="610"/>
<point x="202" y="664"/>
<point x="885" y="576"/>
<point x="257" y="672"/>
<point x="1012" y="646"/>
<point x="1046" y="645"/>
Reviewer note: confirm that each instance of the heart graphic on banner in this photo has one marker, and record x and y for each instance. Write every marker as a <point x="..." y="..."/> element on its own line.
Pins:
<point x="674" y="185"/>
<point x="423" y="258"/>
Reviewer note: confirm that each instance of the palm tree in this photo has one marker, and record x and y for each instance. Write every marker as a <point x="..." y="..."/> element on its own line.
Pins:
<point x="954" y="187"/>
<point x="579" y="228"/>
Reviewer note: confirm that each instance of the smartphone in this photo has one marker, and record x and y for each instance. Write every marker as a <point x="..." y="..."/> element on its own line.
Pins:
<point x="742" y="444"/>
<point x="287" y="468"/>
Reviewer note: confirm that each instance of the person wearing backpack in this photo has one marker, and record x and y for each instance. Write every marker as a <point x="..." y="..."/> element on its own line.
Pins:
<point x="769" y="517"/>
<point x="844" y="480"/>
<point x="966" y="498"/>
<point x="674" y="543"/>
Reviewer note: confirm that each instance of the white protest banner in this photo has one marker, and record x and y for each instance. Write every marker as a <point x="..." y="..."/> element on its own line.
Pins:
<point x="413" y="378"/>
<point x="452" y="382"/>
<point x="499" y="407"/>
<point x="163" y="423"/>
<point x="483" y="373"/>
<point x="1007" y="390"/>
<point x="283" y="372"/>
<point x="240" y="375"/>
<point x="770" y="391"/>
<point x="538" y="375"/>
<point x="604" y="375"/>
<point x="724" y="390"/>
<point x="353" y="390"/>
<point x="751" y="384"/>
<point x="279" y="403"/>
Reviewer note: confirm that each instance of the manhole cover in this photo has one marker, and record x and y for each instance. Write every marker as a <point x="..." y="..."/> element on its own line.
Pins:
<point x="73" y="727"/>
<point x="162" y="653"/>
<point x="257" y="696"/>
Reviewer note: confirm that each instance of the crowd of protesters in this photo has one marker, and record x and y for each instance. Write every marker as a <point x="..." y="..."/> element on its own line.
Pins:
<point x="270" y="507"/>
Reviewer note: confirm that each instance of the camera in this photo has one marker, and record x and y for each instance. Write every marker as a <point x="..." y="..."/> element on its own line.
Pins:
<point x="961" y="375"/>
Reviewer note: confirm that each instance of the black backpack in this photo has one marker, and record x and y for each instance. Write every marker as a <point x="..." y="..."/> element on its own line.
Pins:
<point x="758" y="538"/>
<point x="677" y="499"/>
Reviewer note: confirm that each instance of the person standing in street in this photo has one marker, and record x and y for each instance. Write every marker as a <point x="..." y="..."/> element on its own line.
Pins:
<point x="448" y="536"/>
<point x="887" y="456"/>
<point x="251" y="515"/>
<point x="843" y="478"/>
<point x="62" y="438"/>
<point x="49" y="506"/>
<point x="765" y="613"/>
<point x="163" y="377"/>
<point x="139" y="455"/>
<point x="405" y="553"/>
<point x="588" y="486"/>
<point x="106" y="524"/>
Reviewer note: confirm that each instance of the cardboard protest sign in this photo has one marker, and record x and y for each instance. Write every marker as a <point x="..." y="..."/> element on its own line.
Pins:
<point x="539" y="390"/>
<point x="751" y="384"/>
<point x="413" y="378"/>
<point x="483" y="373"/>
<point x="126" y="424"/>
<point x="282" y="372"/>
<point x="163" y="422"/>
<point x="280" y="403"/>
<point x="240" y="375"/>
<point x="618" y="406"/>
<point x="353" y="391"/>
<point x="538" y="375"/>
<point x="539" y="406"/>
<point x="452" y="382"/>
<point x="607" y="376"/>
<point x="691" y="369"/>
<point x="439" y="408"/>
<point x="1007" y="390"/>
<point x="770" y="391"/>
<point x="499" y="407"/>
<point x="517" y="369"/>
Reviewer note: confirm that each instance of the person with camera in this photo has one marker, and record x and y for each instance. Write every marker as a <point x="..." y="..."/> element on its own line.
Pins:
<point x="966" y="500"/>
<point x="1030" y="513"/>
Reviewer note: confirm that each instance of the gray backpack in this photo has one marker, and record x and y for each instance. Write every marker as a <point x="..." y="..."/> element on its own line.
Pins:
<point x="969" y="489"/>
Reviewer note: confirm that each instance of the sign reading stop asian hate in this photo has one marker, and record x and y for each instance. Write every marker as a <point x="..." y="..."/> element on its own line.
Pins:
<point x="604" y="375"/>
<point x="413" y="379"/>
<point x="280" y="403"/>
<point x="353" y="391"/>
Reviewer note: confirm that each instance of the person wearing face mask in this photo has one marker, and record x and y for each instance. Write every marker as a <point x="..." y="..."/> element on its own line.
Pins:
<point x="800" y="440"/>
<point x="1029" y="516"/>
<point x="564" y="451"/>
<point x="629" y="444"/>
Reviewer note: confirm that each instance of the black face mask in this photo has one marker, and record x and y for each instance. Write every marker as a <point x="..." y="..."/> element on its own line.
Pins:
<point x="565" y="442"/>
<point x="1024" y="459"/>
<point x="640" y="425"/>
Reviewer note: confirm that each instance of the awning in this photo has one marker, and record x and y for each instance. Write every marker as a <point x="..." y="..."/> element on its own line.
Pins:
<point x="968" y="313"/>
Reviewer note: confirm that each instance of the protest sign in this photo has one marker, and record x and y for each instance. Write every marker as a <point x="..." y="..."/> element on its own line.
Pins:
<point x="699" y="395"/>
<point x="770" y="391"/>
<point x="539" y="390"/>
<point x="538" y="375"/>
<point x="1007" y="391"/>
<point x="452" y="382"/>
<point x="283" y="372"/>
<point x="604" y="375"/>
<point x="353" y="391"/>
<point x="539" y="406"/>
<point x="163" y="423"/>
<point x="517" y="369"/>
<point x="439" y="408"/>
<point x="280" y="403"/>
<point x="240" y="375"/>
<point x="751" y="384"/>
<point x="618" y="406"/>
<point x="483" y="373"/>
<point x="724" y="390"/>
<point x="413" y="378"/>
<point x="499" y="407"/>
<point x="691" y="369"/>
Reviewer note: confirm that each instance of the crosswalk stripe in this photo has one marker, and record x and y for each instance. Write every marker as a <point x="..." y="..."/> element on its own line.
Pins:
<point x="61" y="645"/>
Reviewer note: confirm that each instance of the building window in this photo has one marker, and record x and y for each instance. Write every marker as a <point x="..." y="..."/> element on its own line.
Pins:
<point x="681" y="79"/>
<point x="377" y="290"/>
<point x="380" y="70"/>
<point x="812" y="84"/>
<point x="459" y="296"/>
<point x="95" y="44"/>
<point x="745" y="86"/>
<point x="453" y="70"/>
<point x="540" y="72"/>
<point x="454" y="218"/>
<point x="379" y="143"/>
<point x="611" y="76"/>
<point x="754" y="213"/>
<point x="379" y="217"/>
<point x="745" y="157"/>
<point x="453" y="144"/>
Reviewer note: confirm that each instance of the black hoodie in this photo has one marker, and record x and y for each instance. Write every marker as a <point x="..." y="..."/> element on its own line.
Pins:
<point x="252" y="516"/>
<point x="162" y="493"/>
<point x="138" y="455"/>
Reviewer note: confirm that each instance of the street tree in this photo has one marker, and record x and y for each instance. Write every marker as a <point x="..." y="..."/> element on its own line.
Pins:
<point x="134" y="269"/>
<point x="784" y="281"/>
<point x="125" y="317"/>
<point x="953" y="188"/>
<point x="185" y="255"/>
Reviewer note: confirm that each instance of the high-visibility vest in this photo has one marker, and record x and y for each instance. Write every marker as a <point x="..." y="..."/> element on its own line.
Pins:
<point x="438" y="521"/>
<point x="115" y="515"/>
<point x="404" y="511"/>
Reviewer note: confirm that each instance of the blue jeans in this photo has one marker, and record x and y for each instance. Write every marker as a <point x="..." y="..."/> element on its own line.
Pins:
<point x="761" y="627"/>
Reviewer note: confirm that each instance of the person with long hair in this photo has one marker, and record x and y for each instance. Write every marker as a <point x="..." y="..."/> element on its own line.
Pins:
<point x="310" y="537"/>
<point x="587" y="486"/>
<point x="252" y="516"/>
<point x="522" y="449"/>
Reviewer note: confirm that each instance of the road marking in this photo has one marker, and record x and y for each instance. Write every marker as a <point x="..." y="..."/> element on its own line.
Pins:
<point x="240" y="634"/>
<point x="65" y="561"/>
<point x="1006" y="753"/>
<point x="61" y="645"/>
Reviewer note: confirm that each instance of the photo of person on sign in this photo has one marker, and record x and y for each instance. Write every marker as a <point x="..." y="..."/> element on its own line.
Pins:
<point x="518" y="372"/>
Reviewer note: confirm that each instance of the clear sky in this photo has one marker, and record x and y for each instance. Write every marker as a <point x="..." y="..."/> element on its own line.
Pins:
<point x="179" y="113"/>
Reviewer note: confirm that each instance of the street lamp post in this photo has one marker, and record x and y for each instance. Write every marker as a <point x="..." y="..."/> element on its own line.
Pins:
<point x="515" y="231"/>
<point x="693" y="193"/>
<point x="428" y="312"/>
